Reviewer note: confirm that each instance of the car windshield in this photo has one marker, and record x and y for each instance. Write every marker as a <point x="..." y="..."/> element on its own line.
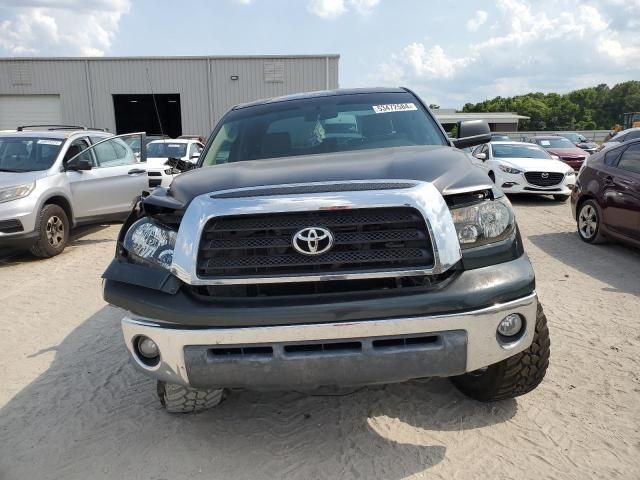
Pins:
<point x="559" y="142"/>
<point x="328" y="124"/>
<point x="519" y="151"/>
<point x="166" y="149"/>
<point x="28" y="154"/>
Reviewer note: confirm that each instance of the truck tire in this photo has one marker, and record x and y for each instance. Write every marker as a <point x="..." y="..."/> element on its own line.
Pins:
<point x="514" y="376"/>
<point x="181" y="399"/>
<point x="53" y="232"/>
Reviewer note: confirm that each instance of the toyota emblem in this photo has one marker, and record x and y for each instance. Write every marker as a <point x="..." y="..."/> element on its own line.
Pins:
<point x="312" y="240"/>
<point x="544" y="175"/>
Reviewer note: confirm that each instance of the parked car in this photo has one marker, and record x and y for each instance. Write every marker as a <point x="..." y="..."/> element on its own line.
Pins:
<point x="519" y="167"/>
<point x="296" y="257"/>
<point x="54" y="179"/>
<point x="606" y="199"/>
<point x="159" y="152"/>
<point x="498" y="137"/>
<point x="561" y="148"/>
<point x="621" y="137"/>
<point x="135" y="142"/>
<point x="199" y="138"/>
<point x="580" y="141"/>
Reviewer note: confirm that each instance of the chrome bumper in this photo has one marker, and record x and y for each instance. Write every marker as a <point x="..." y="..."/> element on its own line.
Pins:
<point x="482" y="345"/>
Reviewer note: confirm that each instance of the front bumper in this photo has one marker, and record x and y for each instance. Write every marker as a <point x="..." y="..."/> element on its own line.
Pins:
<point x="342" y="354"/>
<point x="25" y="211"/>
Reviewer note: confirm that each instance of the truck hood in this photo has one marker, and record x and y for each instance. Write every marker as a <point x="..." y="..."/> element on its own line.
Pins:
<point x="449" y="169"/>
<point x="11" y="179"/>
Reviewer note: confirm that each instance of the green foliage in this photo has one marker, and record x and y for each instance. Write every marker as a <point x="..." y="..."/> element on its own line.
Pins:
<point x="593" y="108"/>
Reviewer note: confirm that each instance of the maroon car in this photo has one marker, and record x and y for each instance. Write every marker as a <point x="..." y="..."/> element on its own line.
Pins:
<point x="606" y="198"/>
<point x="562" y="148"/>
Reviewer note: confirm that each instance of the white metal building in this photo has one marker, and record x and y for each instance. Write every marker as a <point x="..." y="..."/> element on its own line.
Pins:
<point x="192" y="93"/>
<point x="498" y="121"/>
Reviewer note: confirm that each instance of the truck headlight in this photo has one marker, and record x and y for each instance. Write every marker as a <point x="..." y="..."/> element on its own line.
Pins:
<point x="18" y="191"/>
<point x="151" y="242"/>
<point x="482" y="223"/>
<point x="513" y="171"/>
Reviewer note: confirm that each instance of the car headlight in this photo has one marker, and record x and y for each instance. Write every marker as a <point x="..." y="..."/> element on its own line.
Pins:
<point x="482" y="223"/>
<point x="569" y="173"/>
<point x="150" y="241"/>
<point x="506" y="169"/>
<point x="19" y="191"/>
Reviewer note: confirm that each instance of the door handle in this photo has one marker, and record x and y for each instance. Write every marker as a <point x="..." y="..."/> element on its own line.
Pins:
<point x="136" y="171"/>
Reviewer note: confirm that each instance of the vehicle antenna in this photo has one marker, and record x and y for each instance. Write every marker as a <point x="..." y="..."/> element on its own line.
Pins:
<point x="153" y="95"/>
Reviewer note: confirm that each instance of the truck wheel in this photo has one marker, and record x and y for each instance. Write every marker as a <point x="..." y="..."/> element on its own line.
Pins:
<point x="514" y="376"/>
<point x="180" y="399"/>
<point x="561" y="198"/>
<point x="588" y="220"/>
<point x="53" y="228"/>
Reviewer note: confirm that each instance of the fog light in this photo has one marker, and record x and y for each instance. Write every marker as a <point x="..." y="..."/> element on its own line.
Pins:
<point x="147" y="347"/>
<point x="510" y="325"/>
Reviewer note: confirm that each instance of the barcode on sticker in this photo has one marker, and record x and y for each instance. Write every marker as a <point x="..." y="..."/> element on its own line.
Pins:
<point x="394" y="107"/>
<point x="49" y="142"/>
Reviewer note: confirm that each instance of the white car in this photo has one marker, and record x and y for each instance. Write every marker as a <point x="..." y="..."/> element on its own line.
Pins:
<point x="518" y="167"/>
<point x="159" y="152"/>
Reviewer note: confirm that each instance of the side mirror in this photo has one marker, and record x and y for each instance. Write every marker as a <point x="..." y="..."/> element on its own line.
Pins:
<point x="77" y="165"/>
<point x="481" y="156"/>
<point x="195" y="155"/>
<point x="472" y="133"/>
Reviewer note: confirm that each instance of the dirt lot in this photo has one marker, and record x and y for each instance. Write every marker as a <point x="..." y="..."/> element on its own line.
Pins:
<point x="72" y="406"/>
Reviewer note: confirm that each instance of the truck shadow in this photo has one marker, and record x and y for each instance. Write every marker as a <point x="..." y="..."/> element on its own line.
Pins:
<point x="92" y="415"/>
<point x="612" y="263"/>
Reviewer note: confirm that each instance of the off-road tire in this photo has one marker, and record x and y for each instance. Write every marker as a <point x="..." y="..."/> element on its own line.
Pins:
<point x="180" y="399"/>
<point x="42" y="248"/>
<point x="597" y="237"/>
<point x="514" y="376"/>
<point x="561" y="198"/>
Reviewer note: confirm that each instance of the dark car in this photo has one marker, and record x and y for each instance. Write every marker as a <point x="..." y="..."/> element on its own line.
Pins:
<point x="606" y="199"/>
<point x="333" y="238"/>
<point x="580" y="141"/>
<point x="562" y="148"/>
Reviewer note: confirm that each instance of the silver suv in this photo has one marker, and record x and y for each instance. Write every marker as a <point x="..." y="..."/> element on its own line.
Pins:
<point x="53" y="178"/>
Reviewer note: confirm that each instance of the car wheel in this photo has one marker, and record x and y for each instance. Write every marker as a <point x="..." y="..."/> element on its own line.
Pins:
<point x="588" y="220"/>
<point x="181" y="399"/>
<point x="492" y="176"/>
<point x="53" y="228"/>
<point x="561" y="198"/>
<point x="514" y="376"/>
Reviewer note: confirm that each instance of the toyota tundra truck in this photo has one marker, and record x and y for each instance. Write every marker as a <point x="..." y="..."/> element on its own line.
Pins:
<point x="329" y="239"/>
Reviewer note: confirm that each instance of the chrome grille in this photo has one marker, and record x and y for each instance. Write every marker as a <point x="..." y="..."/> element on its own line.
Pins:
<point x="369" y="238"/>
<point x="544" y="179"/>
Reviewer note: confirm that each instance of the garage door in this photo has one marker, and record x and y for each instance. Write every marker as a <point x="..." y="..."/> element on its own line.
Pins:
<point x="16" y="110"/>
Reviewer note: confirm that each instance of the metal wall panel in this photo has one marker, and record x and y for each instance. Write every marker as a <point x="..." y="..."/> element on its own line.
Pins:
<point x="86" y="86"/>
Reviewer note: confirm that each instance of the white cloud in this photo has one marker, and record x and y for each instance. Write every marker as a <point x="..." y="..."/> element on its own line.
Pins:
<point x="243" y="2"/>
<point x="546" y="46"/>
<point x="61" y="27"/>
<point x="336" y="8"/>
<point x="473" y="24"/>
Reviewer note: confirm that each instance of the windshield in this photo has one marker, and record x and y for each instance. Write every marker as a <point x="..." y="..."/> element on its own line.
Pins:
<point x="166" y="149"/>
<point x="519" y="151"/>
<point x="322" y="125"/>
<point x="28" y="154"/>
<point x="559" y="142"/>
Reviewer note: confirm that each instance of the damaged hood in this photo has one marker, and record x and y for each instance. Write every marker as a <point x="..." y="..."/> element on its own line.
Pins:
<point x="449" y="169"/>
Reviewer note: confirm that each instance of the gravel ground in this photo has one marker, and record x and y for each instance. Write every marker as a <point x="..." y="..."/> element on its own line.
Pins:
<point x="71" y="406"/>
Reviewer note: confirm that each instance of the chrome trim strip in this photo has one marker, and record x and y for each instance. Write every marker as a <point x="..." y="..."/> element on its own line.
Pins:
<point x="483" y="347"/>
<point x="424" y="197"/>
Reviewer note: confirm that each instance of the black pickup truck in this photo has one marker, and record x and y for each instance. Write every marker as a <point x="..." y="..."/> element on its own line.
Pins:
<point x="335" y="238"/>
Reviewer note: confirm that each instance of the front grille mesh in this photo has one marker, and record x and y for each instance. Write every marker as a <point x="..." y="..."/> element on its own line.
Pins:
<point x="538" y="178"/>
<point x="261" y="245"/>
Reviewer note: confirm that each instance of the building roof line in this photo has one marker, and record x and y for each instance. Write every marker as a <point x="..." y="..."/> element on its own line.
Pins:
<point x="177" y="57"/>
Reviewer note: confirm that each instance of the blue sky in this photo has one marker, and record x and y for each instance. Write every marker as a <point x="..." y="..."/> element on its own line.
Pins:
<point x="449" y="52"/>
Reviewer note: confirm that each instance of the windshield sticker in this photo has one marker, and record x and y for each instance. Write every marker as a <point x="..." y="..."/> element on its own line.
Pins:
<point x="545" y="143"/>
<point x="394" y="107"/>
<point x="174" y="145"/>
<point x="50" y="142"/>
